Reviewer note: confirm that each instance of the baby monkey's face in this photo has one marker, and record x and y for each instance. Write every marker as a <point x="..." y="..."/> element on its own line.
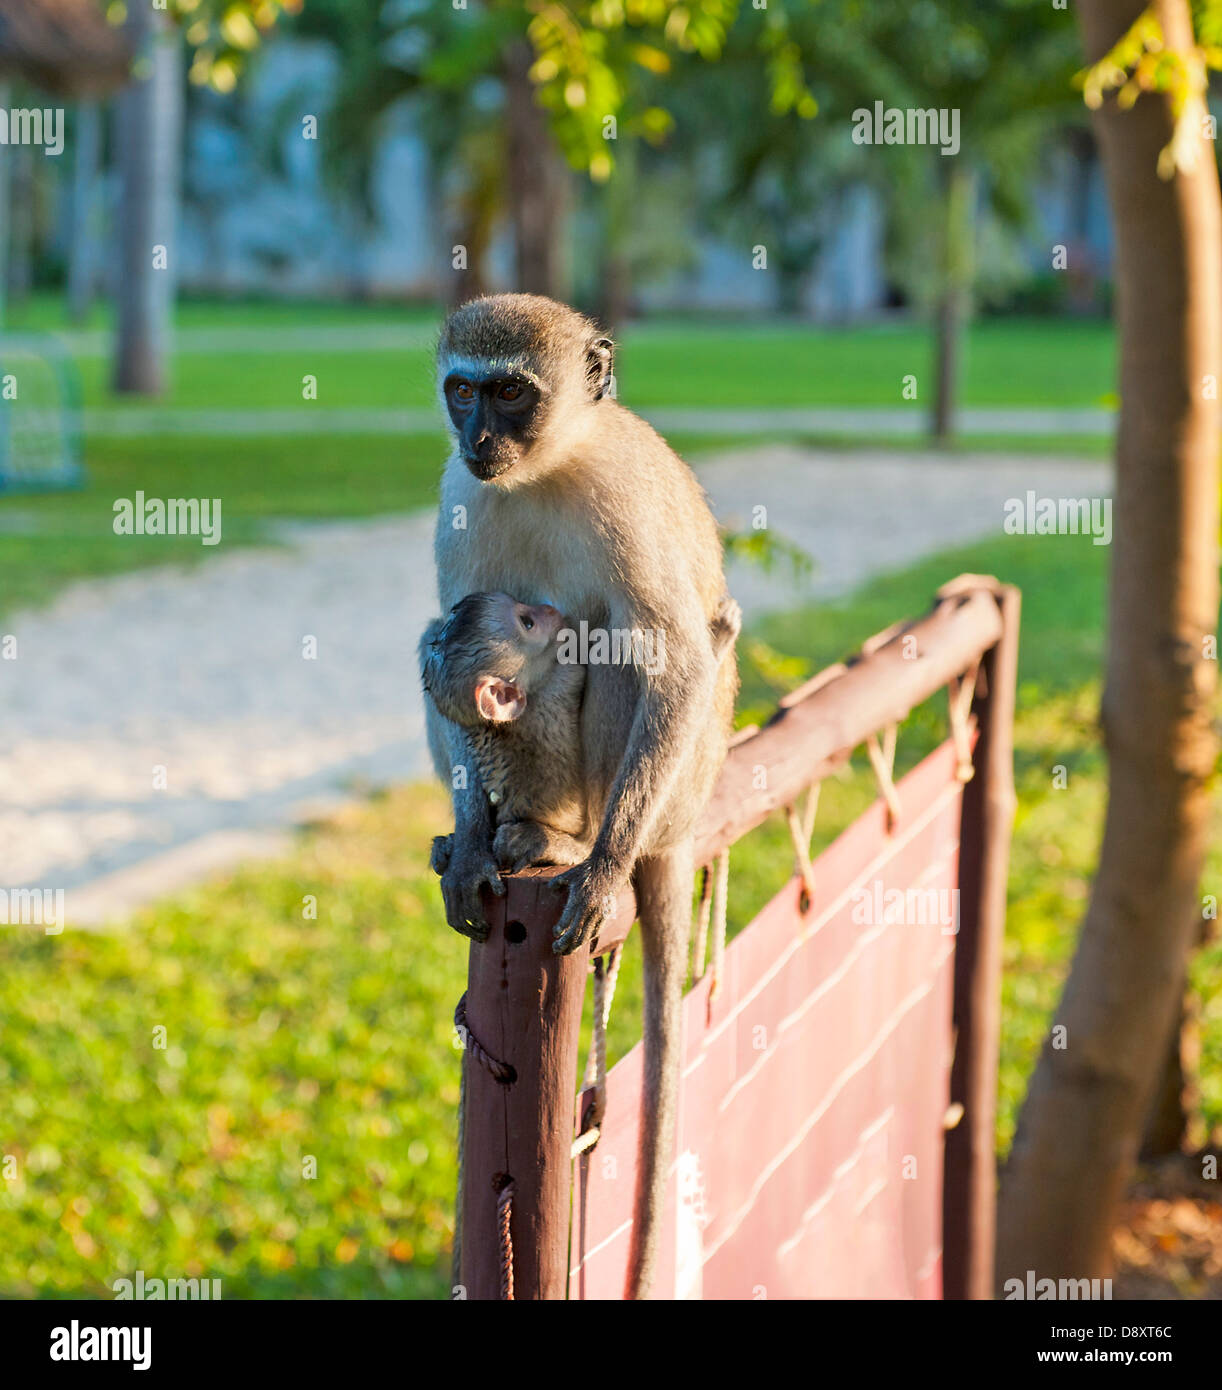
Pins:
<point x="530" y="626"/>
<point x="492" y="653"/>
<point x="523" y="632"/>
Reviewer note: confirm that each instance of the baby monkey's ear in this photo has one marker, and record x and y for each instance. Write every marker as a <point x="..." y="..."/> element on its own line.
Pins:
<point x="499" y="701"/>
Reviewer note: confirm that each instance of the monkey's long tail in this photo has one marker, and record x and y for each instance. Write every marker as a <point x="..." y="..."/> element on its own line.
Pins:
<point x="664" y="899"/>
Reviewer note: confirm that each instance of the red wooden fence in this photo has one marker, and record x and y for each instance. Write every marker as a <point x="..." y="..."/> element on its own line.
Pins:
<point x="814" y="1089"/>
<point x="812" y="1156"/>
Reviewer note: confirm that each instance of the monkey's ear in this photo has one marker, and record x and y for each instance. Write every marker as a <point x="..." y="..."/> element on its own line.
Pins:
<point x="499" y="701"/>
<point x="598" y="366"/>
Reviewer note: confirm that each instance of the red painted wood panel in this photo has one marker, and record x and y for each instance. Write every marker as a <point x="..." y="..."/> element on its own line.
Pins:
<point x="809" y="1156"/>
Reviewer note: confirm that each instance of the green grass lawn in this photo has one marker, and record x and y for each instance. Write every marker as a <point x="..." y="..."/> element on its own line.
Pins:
<point x="1011" y="362"/>
<point x="1005" y="364"/>
<point x="289" y="1037"/>
<point x="50" y="539"/>
<point x="704" y="362"/>
<point x="287" y="1040"/>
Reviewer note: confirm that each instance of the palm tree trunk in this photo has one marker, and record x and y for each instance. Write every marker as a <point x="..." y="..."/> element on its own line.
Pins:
<point x="1079" y="1131"/>
<point x="536" y="183"/>
<point x="81" y="257"/>
<point x="23" y="231"/>
<point x="148" y="130"/>
<point x="619" y="198"/>
<point x="6" y="209"/>
<point x="955" y="293"/>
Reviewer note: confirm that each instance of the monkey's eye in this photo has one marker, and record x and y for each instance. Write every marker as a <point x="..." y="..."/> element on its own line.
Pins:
<point x="464" y="391"/>
<point x="511" y="391"/>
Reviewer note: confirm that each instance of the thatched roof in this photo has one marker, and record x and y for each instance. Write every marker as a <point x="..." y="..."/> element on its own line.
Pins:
<point x="63" y="46"/>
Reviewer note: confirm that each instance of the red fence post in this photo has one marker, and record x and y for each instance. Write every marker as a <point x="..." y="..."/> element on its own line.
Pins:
<point x="524" y="1009"/>
<point x="969" y="1198"/>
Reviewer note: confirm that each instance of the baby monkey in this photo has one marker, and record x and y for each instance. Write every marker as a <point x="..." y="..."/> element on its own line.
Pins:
<point x="492" y="667"/>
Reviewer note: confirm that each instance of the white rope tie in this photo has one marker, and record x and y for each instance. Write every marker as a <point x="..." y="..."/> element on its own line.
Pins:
<point x="800" y="832"/>
<point x="714" y="892"/>
<point x="700" y="943"/>
<point x="959" y="705"/>
<point x="882" y="760"/>
<point x="605" y="976"/>
<point x="720" y="892"/>
<point x="812" y="809"/>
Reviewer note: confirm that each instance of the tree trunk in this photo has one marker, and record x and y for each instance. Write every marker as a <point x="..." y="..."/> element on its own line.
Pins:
<point x="81" y="258"/>
<point x="954" y="298"/>
<point x="793" y="277"/>
<point x="471" y="218"/>
<point x="6" y="207"/>
<point x="1080" y="1127"/>
<point x="615" y="297"/>
<point x="148" y="132"/>
<point x="536" y="181"/>
<point x="618" y="198"/>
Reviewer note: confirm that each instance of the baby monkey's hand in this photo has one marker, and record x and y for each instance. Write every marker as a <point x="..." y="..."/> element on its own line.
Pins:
<point x="443" y="849"/>
<point x="521" y="844"/>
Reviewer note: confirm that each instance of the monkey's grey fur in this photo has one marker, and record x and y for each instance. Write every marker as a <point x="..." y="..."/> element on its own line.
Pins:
<point x="555" y="493"/>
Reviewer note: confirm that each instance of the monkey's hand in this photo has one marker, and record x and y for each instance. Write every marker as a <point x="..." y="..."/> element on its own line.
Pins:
<point x="471" y="867"/>
<point x="592" y="891"/>
<point x="443" y="848"/>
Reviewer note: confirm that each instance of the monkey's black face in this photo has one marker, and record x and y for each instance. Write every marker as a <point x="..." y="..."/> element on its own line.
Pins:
<point x="496" y="418"/>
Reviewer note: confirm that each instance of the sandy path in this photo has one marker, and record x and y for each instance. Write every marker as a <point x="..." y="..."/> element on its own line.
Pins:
<point x="202" y="673"/>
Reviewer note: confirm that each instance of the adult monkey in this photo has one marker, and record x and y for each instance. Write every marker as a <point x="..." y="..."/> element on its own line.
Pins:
<point x="556" y="494"/>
